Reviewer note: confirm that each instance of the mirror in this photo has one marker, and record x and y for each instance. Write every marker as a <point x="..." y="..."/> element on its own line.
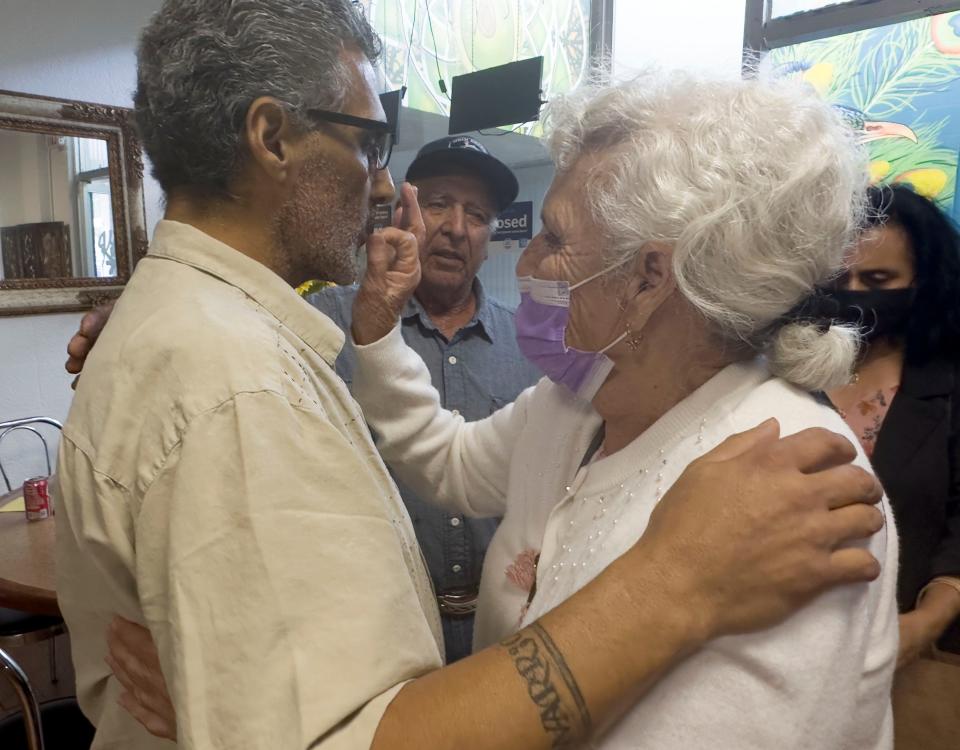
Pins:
<point x="56" y="219"/>
<point x="72" y="222"/>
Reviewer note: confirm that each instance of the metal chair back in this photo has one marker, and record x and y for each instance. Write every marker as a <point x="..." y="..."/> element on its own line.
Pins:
<point x="15" y="425"/>
<point x="28" y="701"/>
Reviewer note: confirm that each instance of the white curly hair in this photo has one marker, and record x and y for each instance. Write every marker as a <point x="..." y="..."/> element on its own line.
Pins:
<point x="758" y="185"/>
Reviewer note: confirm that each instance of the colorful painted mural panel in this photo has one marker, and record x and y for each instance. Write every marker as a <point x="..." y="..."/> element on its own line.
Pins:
<point x="900" y="86"/>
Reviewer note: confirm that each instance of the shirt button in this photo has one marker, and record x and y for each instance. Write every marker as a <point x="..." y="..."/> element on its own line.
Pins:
<point x="457" y="568"/>
<point x="452" y="360"/>
<point x="455" y="412"/>
<point x="454" y="521"/>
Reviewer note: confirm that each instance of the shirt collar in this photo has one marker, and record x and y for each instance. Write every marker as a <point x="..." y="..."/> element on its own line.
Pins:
<point x="186" y="244"/>
<point x="482" y="317"/>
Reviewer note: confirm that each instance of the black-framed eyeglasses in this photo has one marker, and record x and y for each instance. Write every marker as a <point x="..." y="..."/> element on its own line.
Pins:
<point x="381" y="146"/>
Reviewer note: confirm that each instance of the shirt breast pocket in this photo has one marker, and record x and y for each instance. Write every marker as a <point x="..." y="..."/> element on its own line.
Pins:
<point x="497" y="403"/>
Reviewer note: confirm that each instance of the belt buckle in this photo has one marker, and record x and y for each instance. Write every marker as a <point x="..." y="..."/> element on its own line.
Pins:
<point x="457" y="604"/>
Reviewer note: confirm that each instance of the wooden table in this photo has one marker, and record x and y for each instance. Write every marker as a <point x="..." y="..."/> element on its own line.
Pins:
<point x="27" y="574"/>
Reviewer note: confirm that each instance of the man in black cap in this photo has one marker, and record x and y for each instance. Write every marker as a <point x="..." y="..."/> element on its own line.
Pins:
<point x="467" y="341"/>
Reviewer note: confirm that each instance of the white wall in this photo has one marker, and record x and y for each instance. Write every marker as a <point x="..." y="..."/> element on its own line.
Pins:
<point x="34" y="180"/>
<point x="34" y="173"/>
<point x="498" y="273"/>
<point x="702" y="35"/>
<point x="11" y="194"/>
<point x="84" y="50"/>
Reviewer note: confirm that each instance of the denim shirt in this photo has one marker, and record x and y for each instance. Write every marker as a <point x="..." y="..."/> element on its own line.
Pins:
<point x="480" y="370"/>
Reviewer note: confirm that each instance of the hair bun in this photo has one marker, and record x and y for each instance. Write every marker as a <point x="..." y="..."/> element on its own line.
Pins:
<point x="812" y="358"/>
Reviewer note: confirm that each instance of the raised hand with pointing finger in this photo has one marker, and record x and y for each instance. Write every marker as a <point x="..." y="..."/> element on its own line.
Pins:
<point x="393" y="271"/>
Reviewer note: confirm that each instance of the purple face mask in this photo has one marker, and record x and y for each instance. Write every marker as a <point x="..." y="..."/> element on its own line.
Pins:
<point x="541" y="321"/>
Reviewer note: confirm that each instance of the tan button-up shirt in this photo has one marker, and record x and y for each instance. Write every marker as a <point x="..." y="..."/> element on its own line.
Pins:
<point x="218" y="484"/>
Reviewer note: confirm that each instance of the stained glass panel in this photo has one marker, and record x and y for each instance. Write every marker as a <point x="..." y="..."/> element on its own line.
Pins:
<point x="426" y="40"/>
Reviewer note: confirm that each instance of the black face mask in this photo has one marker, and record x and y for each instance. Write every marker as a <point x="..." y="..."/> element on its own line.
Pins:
<point x="880" y="313"/>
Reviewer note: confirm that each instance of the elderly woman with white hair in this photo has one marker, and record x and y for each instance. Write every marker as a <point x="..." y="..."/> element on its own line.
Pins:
<point x="688" y="218"/>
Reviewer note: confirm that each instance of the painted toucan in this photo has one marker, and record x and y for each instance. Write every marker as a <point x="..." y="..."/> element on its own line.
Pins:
<point x="873" y="130"/>
<point x="819" y="76"/>
<point x="926" y="180"/>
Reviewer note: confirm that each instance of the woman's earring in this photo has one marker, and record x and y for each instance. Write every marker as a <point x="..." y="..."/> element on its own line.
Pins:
<point x="634" y="338"/>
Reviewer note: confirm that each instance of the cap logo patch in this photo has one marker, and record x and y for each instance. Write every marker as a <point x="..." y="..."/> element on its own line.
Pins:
<point x="465" y="142"/>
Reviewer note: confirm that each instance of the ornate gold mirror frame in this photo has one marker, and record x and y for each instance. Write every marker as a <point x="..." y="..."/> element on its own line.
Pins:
<point x="62" y="117"/>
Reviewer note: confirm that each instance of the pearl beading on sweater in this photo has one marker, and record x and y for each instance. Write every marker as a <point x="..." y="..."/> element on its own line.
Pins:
<point x="603" y="507"/>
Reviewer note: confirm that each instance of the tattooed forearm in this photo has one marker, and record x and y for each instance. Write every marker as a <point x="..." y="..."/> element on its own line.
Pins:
<point x="550" y="685"/>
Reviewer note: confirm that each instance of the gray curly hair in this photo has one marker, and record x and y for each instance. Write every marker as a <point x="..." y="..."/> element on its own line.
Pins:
<point x="759" y="187"/>
<point x="202" y="63"/>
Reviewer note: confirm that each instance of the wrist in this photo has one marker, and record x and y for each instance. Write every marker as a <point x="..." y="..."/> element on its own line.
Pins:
<point x="928" y="628"/>
<point x="372" y="318"/>
<point x="930" y="623"/>
<point x="674" y="594"/>
<point x="938" y="605"/>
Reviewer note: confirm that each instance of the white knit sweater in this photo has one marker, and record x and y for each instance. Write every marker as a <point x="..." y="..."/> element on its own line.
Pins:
<point x="820" y="681"/>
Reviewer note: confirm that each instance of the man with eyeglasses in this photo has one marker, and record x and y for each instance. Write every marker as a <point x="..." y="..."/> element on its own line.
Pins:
<point x="218" y="484"/>
<point x="468" y="342"/>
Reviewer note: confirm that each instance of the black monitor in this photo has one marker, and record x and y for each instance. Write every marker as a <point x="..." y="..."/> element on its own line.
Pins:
<point x="504" y="95"/>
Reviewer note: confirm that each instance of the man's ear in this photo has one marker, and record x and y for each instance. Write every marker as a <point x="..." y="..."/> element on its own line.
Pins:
<point x="269" y="135"/>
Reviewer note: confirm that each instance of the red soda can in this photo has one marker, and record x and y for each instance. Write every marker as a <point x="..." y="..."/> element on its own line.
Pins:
<point x="36" y="499"/>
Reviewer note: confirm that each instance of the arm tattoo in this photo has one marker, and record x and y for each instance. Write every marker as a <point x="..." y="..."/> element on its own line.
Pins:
<point x="563" y="711"/>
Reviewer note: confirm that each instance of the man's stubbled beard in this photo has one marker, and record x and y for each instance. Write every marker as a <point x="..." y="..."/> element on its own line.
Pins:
<point x="317" y="231"/>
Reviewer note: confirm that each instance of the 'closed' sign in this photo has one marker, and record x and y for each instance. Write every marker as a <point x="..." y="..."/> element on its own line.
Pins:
<point x="515" y="222"/>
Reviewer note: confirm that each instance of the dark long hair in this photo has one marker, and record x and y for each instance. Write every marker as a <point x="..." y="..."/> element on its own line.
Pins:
<point x="935" y="243"/>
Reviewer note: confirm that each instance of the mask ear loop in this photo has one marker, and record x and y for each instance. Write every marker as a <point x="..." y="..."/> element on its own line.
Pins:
<point x="616" y="341"/>
<point x="634" y="343"/>
<point x="598" y="274"/>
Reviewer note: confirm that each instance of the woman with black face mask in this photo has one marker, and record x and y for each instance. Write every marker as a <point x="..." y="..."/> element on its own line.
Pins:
<point x="903" y="289"/>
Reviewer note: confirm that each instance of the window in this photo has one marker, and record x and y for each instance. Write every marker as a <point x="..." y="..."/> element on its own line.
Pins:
<point x="98" y="221"/>
<point x="777" y="23"/>
<point x="91" y="154"/>
<point x="98" y="252"/>
<point x="704" y="35"/>
<point x="780" y="8"/>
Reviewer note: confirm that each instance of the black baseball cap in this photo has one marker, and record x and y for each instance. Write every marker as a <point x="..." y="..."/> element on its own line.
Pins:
<point x="463" y="153"/>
